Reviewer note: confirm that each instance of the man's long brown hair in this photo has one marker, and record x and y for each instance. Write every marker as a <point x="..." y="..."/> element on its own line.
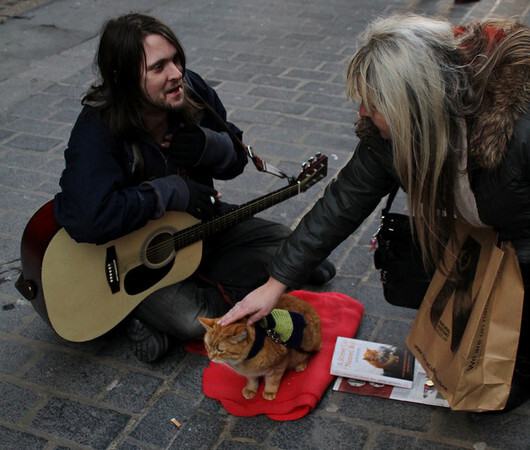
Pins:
<point x="117" y="95"/>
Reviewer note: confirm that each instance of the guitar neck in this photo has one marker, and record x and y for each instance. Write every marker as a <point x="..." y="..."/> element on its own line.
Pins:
<point x="202" y="230"/>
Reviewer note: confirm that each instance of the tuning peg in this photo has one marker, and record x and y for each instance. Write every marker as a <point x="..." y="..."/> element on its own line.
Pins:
<point x="318" y="155"/>
<point x="310" y="160"/>
<point x="304" y="165"/>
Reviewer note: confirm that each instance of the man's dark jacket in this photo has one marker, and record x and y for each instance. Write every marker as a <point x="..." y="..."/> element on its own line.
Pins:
<point x="104" y="194"/>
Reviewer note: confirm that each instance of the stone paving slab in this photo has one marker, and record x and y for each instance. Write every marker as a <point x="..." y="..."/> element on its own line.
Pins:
<point x="278" y="66"/>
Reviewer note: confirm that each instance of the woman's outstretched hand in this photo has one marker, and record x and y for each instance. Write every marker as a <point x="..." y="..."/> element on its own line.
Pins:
<point x="257" y="304"/>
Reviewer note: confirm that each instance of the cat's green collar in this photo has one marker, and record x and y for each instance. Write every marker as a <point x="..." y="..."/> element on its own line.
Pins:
<point x="283" y="327"/>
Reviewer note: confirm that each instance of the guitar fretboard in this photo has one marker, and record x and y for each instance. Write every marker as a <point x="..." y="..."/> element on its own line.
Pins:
<point x="183" y="238"/>
<point x="202" y="230"/>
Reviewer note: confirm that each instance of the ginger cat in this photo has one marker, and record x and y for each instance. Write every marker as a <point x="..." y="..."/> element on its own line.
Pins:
<point x="235" y="345"/>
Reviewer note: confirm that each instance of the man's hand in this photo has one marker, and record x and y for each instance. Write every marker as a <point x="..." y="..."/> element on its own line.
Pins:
<point x="257" y="304"/>
<point x="202" y="200"/>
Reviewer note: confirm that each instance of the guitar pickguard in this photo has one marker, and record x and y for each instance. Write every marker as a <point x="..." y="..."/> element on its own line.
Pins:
<point x="142" y="278"/>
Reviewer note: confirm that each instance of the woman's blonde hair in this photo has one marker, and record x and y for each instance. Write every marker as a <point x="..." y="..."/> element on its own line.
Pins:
<point x="409" y="70"/>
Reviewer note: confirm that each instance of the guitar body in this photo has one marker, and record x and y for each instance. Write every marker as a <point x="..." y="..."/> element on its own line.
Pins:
<point x="37" y="235"/>
<point x="84" y="290"/>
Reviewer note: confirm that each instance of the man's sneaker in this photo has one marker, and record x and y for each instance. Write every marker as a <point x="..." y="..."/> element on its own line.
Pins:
<point x="322" y="273"/>
<point x="147" y="343"/>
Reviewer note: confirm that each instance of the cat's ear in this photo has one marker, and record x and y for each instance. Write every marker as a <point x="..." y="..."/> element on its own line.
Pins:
<point x="240" y="334"/>
<point x="207" y="323"/>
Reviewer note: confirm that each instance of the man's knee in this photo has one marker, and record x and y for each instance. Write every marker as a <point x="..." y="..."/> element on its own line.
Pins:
<point x="189" y="330"/>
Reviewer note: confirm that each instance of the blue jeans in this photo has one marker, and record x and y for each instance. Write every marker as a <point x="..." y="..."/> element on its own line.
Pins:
<point x="237" y="259"/>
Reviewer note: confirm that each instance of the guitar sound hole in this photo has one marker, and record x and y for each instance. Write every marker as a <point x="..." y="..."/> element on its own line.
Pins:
<point x="160" y="250"/>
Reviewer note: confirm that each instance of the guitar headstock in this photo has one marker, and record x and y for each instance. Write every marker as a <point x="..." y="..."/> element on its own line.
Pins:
<point x="313" y="171"/>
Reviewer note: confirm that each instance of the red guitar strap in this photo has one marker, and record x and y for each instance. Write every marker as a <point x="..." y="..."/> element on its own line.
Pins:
<point x="217" y="285"/>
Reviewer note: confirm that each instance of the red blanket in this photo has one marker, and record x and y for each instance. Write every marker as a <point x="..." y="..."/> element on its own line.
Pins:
<point x="299" y="392"/>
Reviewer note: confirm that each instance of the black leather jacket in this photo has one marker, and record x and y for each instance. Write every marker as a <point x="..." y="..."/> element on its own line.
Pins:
<point x="503" y="200"/>
<point x="503" y="195"/>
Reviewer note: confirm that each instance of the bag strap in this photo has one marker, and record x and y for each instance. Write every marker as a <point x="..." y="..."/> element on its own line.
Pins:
<point x="384" y="212"/>
<point x="260" y="165"/>
<point x="391" y="196"/>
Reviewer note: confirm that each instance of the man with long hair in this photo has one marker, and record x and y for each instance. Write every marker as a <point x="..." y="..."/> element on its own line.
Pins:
<point x="147" y="142"/>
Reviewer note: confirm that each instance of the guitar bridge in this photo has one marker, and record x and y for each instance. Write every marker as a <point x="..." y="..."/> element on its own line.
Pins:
<point x="111" y="270"/>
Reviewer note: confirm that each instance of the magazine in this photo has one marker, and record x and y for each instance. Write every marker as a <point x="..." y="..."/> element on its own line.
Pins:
<point x="422" y="391"/>
<point x="371" y="361"/>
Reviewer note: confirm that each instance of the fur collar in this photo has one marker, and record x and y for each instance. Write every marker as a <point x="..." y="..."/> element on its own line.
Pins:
<point x="506" y="98"/>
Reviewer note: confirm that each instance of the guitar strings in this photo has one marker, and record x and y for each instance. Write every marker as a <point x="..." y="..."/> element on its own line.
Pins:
<point x="188" y="236"/>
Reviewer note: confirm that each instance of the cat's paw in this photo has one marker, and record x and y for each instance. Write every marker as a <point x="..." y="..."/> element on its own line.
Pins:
<point x="269" y="395"/>
<point x="249" y="393"/>
<point x="301" y="366"/>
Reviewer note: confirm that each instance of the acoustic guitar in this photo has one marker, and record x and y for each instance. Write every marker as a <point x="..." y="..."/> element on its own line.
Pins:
<point x="84" y="290"/>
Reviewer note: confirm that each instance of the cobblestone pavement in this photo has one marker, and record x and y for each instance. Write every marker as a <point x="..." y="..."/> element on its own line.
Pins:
<point x="12" y="8"/>
<point x="278" y="66"/>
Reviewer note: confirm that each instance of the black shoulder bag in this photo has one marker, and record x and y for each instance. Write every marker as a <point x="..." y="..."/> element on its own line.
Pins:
<point x="398" y="258"/>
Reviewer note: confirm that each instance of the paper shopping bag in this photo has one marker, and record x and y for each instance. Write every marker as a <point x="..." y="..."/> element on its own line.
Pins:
<point x="466" y="332"/>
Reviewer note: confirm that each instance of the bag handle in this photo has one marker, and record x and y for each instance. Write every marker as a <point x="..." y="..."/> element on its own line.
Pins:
<point x="384" y="212"/>
<point x="391" y="196"/>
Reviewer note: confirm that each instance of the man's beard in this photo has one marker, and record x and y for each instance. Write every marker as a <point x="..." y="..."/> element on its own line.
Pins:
<point x="162" y="106"/>
<point x="176" y="108"/>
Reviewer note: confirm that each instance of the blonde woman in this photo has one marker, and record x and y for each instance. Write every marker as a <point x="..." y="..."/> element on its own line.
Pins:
<point x="443" y="114"/>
